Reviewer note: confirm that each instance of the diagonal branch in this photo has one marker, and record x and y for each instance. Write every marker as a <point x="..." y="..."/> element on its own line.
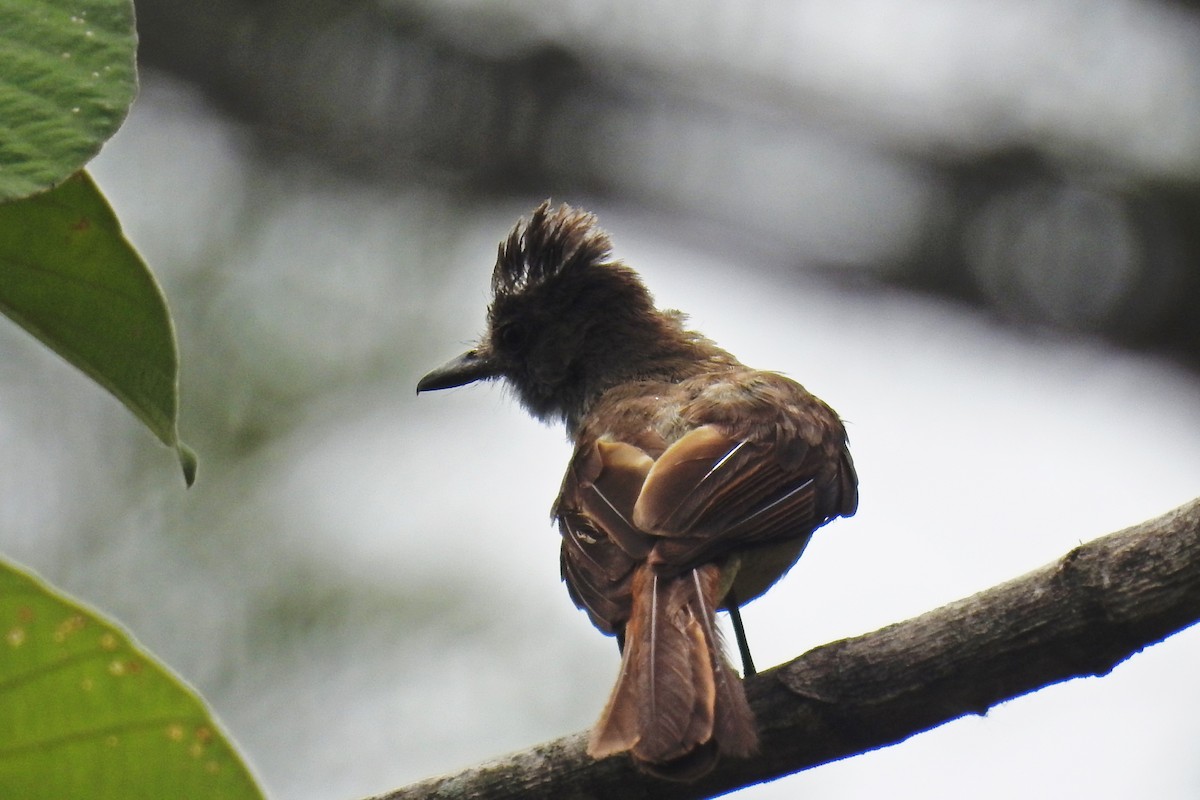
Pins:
<point x="1081" y="615"/>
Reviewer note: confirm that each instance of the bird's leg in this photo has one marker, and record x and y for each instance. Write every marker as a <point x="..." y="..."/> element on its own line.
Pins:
<point x="735" y="616"/>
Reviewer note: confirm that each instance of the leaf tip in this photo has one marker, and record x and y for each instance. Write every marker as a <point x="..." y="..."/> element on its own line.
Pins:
<point x="189" y="463"/>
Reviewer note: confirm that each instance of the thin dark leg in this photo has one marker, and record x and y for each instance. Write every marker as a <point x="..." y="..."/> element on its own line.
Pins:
<point x="735" y="616"/>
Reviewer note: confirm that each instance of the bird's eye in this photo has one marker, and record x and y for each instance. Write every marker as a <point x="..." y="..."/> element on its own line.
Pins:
<point x="513" y="336"/>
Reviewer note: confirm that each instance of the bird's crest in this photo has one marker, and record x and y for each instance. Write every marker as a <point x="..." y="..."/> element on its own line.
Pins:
<point x="550" y="242"/>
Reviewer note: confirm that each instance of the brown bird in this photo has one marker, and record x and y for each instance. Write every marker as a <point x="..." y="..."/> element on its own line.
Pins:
<point x="695" y="482"/>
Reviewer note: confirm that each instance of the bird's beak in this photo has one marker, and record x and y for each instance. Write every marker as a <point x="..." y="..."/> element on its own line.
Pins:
<point x="471" y="366"/>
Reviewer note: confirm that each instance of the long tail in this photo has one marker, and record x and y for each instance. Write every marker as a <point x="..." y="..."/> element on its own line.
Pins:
<point x="677" y="704"/>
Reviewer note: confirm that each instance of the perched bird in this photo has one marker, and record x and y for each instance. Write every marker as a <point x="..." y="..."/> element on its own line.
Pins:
<point x="695" y="482"/>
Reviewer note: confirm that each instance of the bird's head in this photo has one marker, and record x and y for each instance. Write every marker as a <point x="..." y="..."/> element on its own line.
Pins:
<point x="566" y="321"/>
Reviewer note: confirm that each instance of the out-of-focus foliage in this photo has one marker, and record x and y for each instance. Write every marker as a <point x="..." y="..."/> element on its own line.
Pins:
<point x="69" y="277"/>
<point x="67" y="274"/>
<point x="84" y="711"/>
<point x="67" y="77"/>
<point x="1028" y="158"/>
<point x="88" y="713"/>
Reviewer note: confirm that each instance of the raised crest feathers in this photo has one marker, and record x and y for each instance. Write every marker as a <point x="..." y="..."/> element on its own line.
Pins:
<point x="551" y="241"/>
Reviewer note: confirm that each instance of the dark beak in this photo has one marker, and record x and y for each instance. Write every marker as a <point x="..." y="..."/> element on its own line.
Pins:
<point x="471" y="366"/>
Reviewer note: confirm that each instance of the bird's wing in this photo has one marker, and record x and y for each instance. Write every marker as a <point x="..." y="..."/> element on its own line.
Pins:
<point x="757" y="469"/>
<point x="601" y="546"/>
<point x="712" y="493"/>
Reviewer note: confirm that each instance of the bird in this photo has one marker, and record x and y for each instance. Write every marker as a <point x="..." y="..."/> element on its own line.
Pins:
<point x="695" y="481"/>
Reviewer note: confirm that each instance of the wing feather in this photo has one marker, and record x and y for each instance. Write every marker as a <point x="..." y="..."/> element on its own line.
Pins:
<point x="710" y="494"/>
<point x="600" y="544"/>
<point x="761" y="465"/>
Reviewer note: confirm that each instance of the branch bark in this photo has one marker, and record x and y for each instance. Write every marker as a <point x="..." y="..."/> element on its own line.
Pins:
<point x="1082" y="615"/>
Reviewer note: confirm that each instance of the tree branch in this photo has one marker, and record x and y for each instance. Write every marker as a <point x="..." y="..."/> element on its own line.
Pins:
<point x="1081" y="615"/>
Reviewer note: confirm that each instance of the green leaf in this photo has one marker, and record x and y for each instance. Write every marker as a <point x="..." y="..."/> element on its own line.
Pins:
<point x="67" y="79"/>
<point x="69" y="277"/>
<point x="86" y="713"/>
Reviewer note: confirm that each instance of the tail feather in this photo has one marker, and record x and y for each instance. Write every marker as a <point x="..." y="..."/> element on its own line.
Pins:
<point x="677" y="704"/>
<point x="734" y="726"/>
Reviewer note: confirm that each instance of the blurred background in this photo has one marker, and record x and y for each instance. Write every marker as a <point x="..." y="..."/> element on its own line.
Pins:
<point x="970" y="225"/>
